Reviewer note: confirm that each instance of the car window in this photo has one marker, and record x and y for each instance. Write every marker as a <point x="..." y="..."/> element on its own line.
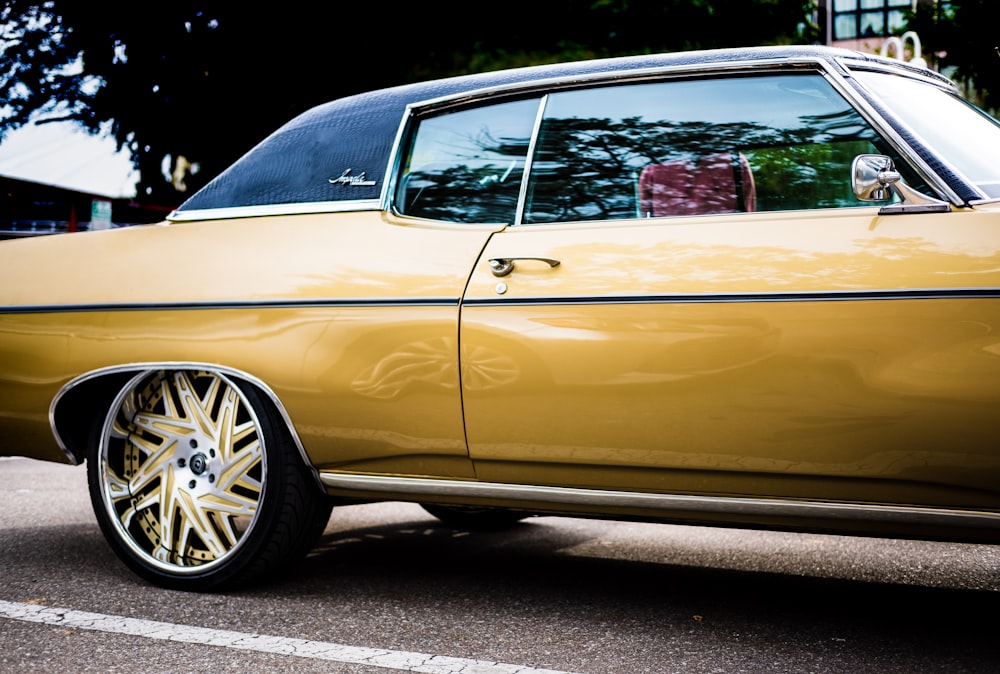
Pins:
<point x="966" y="135"/>
<point x="763" y="143"/>
<point x="466" y="166"/>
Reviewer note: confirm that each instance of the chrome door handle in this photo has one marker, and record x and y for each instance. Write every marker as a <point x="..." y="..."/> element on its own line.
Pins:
<point x="501" y="266"/>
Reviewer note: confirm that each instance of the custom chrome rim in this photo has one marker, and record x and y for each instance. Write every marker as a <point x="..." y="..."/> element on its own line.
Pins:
<point x="182" y="469"/>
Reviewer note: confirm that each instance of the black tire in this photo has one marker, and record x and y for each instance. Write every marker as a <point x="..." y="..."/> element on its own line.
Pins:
<point x="475" y="518"/>
<point x="240" y="502"/>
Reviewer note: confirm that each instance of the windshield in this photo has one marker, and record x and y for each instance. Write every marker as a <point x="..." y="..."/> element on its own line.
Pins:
<point x="964" y="136"/>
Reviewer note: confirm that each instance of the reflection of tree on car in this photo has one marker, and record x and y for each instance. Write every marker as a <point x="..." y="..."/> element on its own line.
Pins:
<point x="588" y="169"/>
<point x="603" y="168"/>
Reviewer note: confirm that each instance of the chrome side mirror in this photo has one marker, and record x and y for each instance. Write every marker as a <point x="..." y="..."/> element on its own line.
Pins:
<point x="874" y="178"/>
<point x="872" y="174"/>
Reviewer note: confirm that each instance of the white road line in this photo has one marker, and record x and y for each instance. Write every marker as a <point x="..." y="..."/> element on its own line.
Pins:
<point x="300" y="648"/>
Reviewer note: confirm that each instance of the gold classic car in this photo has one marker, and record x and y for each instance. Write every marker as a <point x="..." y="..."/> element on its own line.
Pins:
<point x="755" y="287"/>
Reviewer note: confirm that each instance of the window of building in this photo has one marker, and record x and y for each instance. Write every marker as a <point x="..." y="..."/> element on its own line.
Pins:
<point x="854" y="19"/>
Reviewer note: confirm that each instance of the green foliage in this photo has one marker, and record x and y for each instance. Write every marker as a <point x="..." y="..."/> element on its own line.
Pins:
<point x="37" y="66"/>
<point x="202" y="81"/>
<point x="964" y="41"/>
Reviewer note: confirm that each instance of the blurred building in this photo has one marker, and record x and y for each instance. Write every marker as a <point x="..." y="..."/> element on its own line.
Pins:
<point x="865" y="24"/>
<point x="29" y="208"/>
<point x="55" y="177"/>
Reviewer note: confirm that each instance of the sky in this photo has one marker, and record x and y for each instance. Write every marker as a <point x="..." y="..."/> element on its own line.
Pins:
<point x="64" y="155"/>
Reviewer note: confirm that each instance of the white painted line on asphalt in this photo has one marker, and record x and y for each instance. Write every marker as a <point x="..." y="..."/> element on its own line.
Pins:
<point x="300" y="648"/>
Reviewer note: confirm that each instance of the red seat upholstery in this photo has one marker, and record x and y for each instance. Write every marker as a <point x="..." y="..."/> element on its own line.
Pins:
<point x="718" y="183"/>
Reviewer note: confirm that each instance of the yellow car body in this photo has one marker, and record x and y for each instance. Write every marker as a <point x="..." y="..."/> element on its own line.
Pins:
<point x="828" y="368"/>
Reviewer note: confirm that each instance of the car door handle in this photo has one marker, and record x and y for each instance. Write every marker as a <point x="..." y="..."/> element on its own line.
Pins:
<point x="501" y="266"/>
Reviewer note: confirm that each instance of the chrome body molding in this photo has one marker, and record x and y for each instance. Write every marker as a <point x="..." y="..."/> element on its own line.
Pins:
<point x="141" y="369"/>
<point x="554" y="300"/>
<point x="233" y="304"/>
<point x="303" y="208"/>
<point x="738" y="298"/>
<point x="430" y="488"/>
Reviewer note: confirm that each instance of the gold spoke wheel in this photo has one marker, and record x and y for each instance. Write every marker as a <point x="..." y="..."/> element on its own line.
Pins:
<point x="182" y="478"/>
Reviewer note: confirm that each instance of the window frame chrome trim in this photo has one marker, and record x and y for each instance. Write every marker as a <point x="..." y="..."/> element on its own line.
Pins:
<point x="387" y="197"/>
<point x="266" y="210"/>
<point x="836" y="70"/>
<point x="852" y="89"/>
<point x="522" y="195"/>
<point x="544" y="86"/>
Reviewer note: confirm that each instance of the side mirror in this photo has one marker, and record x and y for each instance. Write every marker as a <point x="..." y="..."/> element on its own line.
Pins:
<point x="871" y="176"/>
<point x="875" y="178"/>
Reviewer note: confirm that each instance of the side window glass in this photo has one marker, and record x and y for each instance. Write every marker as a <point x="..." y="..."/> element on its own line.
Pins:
<point x="761" y="143"/>
<point x="467" y="165"/>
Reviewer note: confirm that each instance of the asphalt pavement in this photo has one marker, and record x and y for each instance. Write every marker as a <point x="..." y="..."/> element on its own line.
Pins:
<point x="390" y="589"/>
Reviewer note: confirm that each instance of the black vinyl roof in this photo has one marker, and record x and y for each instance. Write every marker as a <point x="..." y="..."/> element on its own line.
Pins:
<point x="300" y="162"/>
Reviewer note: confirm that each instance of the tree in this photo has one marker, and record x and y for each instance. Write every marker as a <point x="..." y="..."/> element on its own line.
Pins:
<point x="963" y="39"/>
<point x="196" y="83"/>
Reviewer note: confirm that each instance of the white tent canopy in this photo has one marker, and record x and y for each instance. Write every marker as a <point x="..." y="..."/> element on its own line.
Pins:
<point x="62" y="154"/>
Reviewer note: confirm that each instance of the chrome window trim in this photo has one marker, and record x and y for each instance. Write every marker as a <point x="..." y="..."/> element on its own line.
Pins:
<point x="899" y="68"/>
<point x="836" y="70"/>
<point x="386" y="198"/>
<point x="852" y="88"/>
<point x="753" y="506"/>
<point x="836" y="67"/>
<point x="543" y="86"/>
<point x="522" y="195"/>
<point x="548" y="85"/>
<point x="300" y="208"/>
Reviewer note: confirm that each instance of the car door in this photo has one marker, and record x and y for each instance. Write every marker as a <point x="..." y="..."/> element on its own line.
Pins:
<point x="693" y="302"/>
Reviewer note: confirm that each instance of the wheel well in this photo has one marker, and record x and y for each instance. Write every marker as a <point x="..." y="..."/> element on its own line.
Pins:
<point x="83" y="404"/>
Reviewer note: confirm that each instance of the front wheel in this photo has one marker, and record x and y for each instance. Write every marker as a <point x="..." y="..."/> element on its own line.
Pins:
<point x="197" y="484"/>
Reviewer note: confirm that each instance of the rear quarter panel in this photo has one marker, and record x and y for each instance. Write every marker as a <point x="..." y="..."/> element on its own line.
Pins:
<point x="350" y="320"/>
